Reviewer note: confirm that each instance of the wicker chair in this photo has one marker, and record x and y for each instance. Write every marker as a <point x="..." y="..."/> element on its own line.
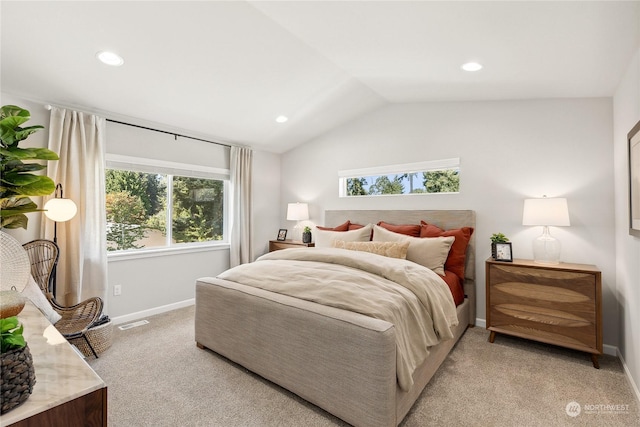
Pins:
<point x="76" y="319"/>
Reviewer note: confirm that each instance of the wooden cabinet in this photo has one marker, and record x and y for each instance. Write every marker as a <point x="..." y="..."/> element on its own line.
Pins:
<point x="275" y="245"/>
<point x="555" y="304"/>
<point x="67" y="391"/>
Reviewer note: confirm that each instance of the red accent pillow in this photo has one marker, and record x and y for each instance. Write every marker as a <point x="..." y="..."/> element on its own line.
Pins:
<point x="455" y="286"/>
<point x="341" y="227"/>
<point x="407" y="229"/>
<point x="457" y="253"/>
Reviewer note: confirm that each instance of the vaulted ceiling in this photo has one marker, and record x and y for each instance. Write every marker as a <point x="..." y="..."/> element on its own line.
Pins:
<point x="226" y="70"/>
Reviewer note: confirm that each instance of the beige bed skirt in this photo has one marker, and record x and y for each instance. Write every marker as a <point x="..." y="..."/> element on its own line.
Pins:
<point x="341" y="361"/>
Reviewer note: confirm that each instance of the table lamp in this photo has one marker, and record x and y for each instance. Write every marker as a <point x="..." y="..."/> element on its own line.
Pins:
<point x="297" y="212"/>
<point x="546" y="212"/>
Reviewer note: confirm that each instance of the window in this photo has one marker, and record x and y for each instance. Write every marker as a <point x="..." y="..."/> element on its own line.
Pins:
<point x="153" y="204"/>
<point x="440" y="176"/>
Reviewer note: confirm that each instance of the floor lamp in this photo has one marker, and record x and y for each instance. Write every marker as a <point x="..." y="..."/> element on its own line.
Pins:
<point x="58" y="210"/>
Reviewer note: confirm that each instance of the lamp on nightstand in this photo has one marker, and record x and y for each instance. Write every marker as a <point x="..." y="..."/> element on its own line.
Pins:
<point x="546" y="212"/>
<point x="297" y="212"/>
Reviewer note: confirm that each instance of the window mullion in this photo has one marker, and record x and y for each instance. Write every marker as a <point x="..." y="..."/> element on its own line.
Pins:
<point x="169" y="218"/>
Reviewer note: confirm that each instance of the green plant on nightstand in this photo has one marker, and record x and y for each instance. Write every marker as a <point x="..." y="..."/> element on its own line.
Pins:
<point x="497" y="238"/>
<point x="306" y="235"/>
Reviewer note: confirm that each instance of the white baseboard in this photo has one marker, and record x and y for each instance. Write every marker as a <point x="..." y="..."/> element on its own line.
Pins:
<point x="632" y="383"/>
<point x="152" y="311"/>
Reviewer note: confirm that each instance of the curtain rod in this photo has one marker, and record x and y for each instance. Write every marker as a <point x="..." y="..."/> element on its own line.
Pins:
<point x="175" y="135"/>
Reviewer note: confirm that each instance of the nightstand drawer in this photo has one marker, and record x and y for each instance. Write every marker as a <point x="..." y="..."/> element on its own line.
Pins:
<point x="570" y="292"/>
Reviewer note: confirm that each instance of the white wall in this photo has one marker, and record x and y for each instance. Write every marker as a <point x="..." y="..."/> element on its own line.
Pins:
<point x="626" y="113"/>
<point x="509" y="151"/>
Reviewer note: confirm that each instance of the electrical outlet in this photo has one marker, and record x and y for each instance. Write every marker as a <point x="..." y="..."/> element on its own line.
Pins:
<point x="117" y="290"/>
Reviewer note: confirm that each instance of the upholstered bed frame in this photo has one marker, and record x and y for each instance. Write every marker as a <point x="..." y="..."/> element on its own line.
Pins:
<point x="341" y="361"/>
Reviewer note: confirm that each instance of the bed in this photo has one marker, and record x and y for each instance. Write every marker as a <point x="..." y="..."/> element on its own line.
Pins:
<point x="341" y="361"/>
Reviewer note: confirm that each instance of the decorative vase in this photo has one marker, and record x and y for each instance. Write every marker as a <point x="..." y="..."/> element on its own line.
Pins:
<point x="18" y="377"/>
<point x="306" y="237"/>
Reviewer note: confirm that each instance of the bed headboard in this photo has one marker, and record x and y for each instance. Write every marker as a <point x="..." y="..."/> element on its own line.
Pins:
<point x="445" y="219"/>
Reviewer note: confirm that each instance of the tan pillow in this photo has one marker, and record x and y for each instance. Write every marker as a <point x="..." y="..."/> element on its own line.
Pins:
<point x="325" y="237"/>
<point x="430" y="252"/>
<point x="388" y="249"/>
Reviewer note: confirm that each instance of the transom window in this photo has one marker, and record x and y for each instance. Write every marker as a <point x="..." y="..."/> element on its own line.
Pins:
<point x="440" y="176"/>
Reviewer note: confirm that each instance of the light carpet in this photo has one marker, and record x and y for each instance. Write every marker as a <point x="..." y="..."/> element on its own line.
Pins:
<point x="156" y="376"/>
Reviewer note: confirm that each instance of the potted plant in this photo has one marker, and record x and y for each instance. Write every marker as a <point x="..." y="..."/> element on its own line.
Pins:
<point x="497" y="238"/>
<point x="18" y="375"/>
<point x="306" y="235"/>
<point x="18" y="181"/>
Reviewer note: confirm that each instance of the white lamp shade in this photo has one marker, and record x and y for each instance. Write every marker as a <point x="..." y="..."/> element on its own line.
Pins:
<point x="546" y="211"/>
<point x="60" y="210"/>
<point x="297" y="212"/>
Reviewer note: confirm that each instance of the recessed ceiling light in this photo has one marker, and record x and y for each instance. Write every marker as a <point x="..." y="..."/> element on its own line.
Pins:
<point x="110" y="58"/>
<point x="471" y="66"/>
<point x="282" y="119"/>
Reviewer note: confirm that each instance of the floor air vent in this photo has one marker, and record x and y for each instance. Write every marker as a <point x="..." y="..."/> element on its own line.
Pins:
<point x="133" y="325"/>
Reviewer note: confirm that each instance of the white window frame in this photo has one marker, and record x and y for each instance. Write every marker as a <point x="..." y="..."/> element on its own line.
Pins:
<point x="139" y="164"/>
<point x="426" y="166"/>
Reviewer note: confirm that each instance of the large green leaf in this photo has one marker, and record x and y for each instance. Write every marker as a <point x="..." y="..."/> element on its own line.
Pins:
<point x="10" y="205"/>
<point x="42" y="187"/>
<point x="16" y="153"/>
<point x="13" y="110"/>
<point x="18" y="166"/>
<point x="14" y="221"/>
<point x="19" y="179"/>
<point x="23" y="133"/>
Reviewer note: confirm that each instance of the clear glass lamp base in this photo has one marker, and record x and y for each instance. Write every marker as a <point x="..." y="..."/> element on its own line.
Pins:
<point x="546" y="248"/>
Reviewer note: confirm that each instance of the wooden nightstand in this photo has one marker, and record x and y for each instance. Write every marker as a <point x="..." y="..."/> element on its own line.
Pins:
<point x="555" y="304"/>
<point x="275" y="245"/>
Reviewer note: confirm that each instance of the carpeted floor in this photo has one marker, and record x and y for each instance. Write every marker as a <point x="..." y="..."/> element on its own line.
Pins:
<point x="156" y="376"/>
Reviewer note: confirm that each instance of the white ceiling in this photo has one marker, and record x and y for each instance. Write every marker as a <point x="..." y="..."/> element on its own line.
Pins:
<point x="226" y="70"/>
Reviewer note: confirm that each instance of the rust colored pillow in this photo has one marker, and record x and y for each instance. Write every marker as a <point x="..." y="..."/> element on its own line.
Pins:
<point x="353" y="226"/>
<point x="408" y="229"/>
<point x="341" y="227"/>
<point x="457" y="254"/>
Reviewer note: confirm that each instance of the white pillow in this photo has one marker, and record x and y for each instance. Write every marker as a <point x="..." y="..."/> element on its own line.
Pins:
<point x="33" y="292"/>
<point x="430" y="252"/>
<point x="325" y="238"/>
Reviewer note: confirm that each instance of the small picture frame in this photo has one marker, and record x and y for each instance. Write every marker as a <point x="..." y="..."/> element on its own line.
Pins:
<point x="282" y="234"/>
<point x="503" y="252"/>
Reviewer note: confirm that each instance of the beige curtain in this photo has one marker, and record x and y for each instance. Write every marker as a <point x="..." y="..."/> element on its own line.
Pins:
<point x="240" y="230"/>
<point x="79" y="140"/>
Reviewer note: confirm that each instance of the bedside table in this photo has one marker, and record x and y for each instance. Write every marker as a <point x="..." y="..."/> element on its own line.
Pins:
<point x="275" y="245"/>
<point x="556" y="304"/>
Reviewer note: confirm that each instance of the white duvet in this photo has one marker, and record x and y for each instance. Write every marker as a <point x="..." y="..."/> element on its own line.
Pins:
<point x="411" y="297"/>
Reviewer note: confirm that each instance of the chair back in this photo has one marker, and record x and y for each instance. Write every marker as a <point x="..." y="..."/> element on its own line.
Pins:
<point x="43" y="255"/>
